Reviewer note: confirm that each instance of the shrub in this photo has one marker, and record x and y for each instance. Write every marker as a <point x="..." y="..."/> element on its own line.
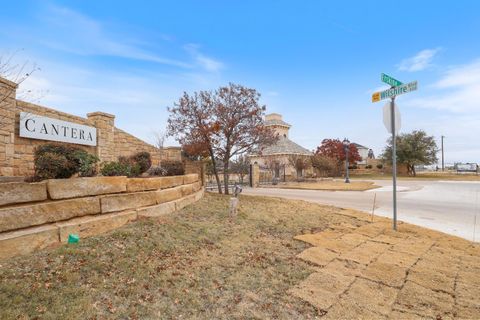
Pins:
<point x="167" y="168"/>
<point x="173" y="168"/>
<point x="379" y="166"/>
<point x="368" y="166"/>
<point x="143" y="159"/>
<point x="325" y="166"/>
<point x="119" y="168"/>
<point x="49" y="165"/>
<point x="55" y="161"/>
<point x="157" y="171"/>
<point x="86" y="163"/>
<point x="132" y="166"/>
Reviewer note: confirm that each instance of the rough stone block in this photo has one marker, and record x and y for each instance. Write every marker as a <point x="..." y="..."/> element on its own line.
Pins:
<point x="172" y="181"/>
<point x="168" y="195"/>
<point x="190" y="178"/>
<point x="93" y="225"/>
<point x="27" y="240"/>
<point x="144" y="184"/>
<point x="12" y="218"/>
<point x="82" y="187"/>
<point x="157" y="210"/>
<point x="187" y="189"/>
<point x="197" y="186"/>
<point x="182" y="203"/>
<point x="199" y="194"/>
<point x="120" y="202"/>
<point x="19" y="192"/>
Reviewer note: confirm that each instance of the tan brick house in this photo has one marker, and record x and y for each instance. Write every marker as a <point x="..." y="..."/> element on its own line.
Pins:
<point x="276" y="157"/>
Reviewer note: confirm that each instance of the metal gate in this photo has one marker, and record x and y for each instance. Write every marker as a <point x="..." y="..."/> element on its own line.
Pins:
<point x="272" y="176"/>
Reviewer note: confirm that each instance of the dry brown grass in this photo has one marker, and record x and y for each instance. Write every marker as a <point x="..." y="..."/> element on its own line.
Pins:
<point x="330" y="185"/>
<point x="191" y="264"/>
<point x="198" y="264"/>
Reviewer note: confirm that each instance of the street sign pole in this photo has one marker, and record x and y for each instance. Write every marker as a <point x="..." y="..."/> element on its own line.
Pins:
<point x="397" y="88"/>
<point x="394" y="163"/>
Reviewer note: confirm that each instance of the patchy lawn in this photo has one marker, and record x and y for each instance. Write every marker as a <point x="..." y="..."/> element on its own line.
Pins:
<point x="192" y="264"/>
<point x="280" y="259"/>
<point x="329" y="185"/>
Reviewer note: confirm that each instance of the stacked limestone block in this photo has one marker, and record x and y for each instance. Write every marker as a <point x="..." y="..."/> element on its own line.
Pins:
<point x="38" y="215"/>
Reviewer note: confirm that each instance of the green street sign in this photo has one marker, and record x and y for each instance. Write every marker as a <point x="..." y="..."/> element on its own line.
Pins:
<point x="404" y="88"/>
<point x="391" y="81"/>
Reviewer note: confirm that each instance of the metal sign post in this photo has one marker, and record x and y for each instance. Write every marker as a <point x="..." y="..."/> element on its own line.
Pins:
<point x="397" y="88"/>
<point x="394" y="163"/>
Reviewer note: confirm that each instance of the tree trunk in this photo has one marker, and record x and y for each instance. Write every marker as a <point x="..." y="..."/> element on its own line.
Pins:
<point x="215" y="171"/>
<point x="225" y="176"/>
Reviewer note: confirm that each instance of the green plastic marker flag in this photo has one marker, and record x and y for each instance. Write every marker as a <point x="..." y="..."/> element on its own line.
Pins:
<point x="73" y="238"/>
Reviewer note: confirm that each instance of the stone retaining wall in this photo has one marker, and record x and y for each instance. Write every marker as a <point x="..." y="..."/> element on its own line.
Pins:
<point x="17" y="153"/>
<point x="38" y="215"/>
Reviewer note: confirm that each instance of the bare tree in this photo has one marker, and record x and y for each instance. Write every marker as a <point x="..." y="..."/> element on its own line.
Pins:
<point x="275" y="165"/>
<point x="300" y="163"/>
<point x="159" y="138"/>
<point x="225" y="123"/>
<point x="240" y="166"/>
<point x="14" y="72"/>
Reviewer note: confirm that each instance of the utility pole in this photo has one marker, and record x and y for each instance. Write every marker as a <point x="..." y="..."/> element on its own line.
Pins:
<point x="443" y="155"/>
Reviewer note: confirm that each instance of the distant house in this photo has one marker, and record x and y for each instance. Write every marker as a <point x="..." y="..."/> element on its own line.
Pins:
<point x="364" y="153"/>
<point x="280" y="152"/>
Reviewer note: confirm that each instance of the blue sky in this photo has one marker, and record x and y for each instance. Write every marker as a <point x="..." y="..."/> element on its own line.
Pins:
<point x="316" y="62"/>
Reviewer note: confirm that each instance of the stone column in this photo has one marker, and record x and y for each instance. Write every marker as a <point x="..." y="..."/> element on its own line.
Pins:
<point x="105" y="124"/>
<point x="8" y="91"/>
<point x="255" y="175"/>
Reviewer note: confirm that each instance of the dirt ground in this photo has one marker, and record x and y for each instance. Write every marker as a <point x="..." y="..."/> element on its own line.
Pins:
<point x="329" y="185"/>
<point x="197" y="264"/>
<point x="371" y="272"/>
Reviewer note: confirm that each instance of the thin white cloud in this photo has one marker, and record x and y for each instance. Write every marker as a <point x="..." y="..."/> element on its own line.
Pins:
<point x="457" y="91"/>
<point x="80" y="34"/>
<point x="420" y="61"/>
<point x="205" y="62"/>
<point x="461" y="76"/>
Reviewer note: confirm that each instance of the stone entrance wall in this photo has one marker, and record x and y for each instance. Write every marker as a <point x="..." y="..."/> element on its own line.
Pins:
<point x="16" y="153"/>
<point x="38" y="215"/>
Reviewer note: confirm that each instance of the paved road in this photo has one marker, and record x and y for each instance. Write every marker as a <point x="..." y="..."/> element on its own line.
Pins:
<point x="448" y="206"/>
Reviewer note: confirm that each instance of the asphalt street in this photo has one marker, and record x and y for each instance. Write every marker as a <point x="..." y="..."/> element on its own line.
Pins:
<point x="448" y="206"/>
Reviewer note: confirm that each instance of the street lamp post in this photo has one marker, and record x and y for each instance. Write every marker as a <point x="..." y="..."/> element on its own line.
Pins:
<point x="346" y="147"/>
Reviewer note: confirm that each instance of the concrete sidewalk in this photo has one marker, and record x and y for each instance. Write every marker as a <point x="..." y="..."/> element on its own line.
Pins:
<point x="448" y="206"/>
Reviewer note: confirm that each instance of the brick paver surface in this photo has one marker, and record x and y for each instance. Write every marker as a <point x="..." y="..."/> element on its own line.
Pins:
<point x="372" y="272"/>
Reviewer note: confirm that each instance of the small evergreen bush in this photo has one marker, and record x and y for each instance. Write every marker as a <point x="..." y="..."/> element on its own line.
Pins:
<point x="56" y="161"/>
<point x="119" y="168"/>
<point x="143" y="159"/>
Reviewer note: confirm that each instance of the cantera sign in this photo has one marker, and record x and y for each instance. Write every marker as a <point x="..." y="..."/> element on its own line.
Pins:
<point x="43" y="128"/>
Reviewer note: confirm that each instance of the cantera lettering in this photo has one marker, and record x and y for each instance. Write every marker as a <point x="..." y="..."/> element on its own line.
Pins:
<point x="38" y="127"/>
